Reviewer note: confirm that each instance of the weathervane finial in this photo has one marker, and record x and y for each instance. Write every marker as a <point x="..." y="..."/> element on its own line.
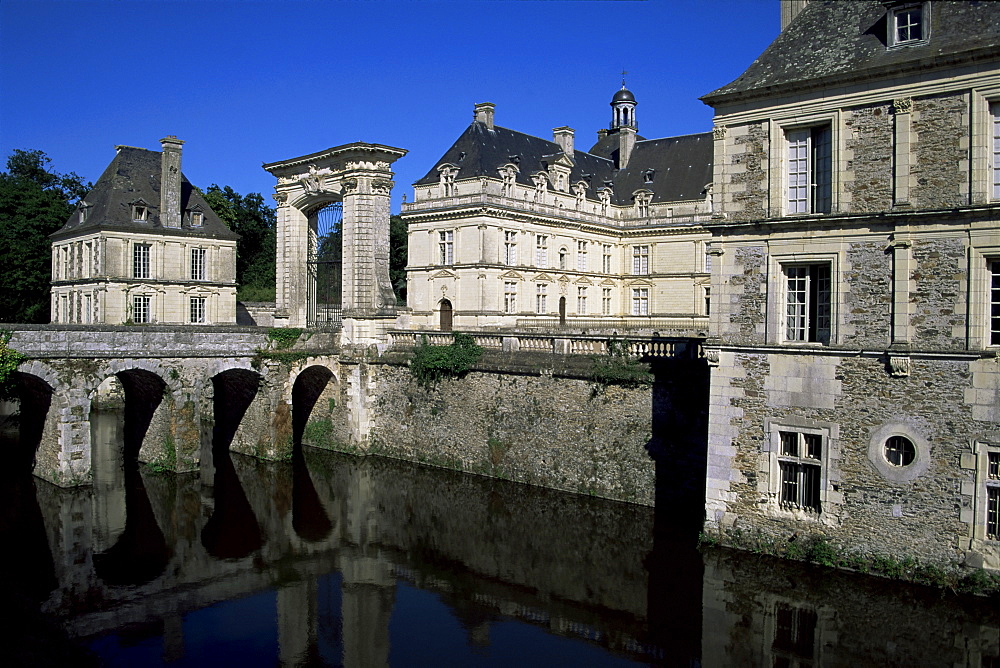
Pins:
<point x="624" y="72"/>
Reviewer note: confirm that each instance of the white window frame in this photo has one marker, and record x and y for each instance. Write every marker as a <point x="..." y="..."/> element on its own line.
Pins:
<point x="808" y="171"/>
<point x="199" y="264"/>
<point x="196" y="218"/>
<point x="510" y="297"/>
<point x="994" y="135"/>
<point x="141" y="259"/>
<point x="581" y="256"/>
<point x="142" y="309"/>
<point x="777" y="304"/>
<point x="640" y="301"/>
<point x="581" y="300"/>
<point x="542" y="251"/>
<point x="993" y="301"/>
<point x="541" y="296"/>
<point x="987" y="495"/>
<point x="140" y="212"/>
<point x="446" y="247"/>
<point x="901" y="25"/>
<point x="640" y="260"/>
<point x="510" y="248"/>
<point x="198" y="310"/>
<point x="808" y="302"/>
<point x="606" y="261"/>
<point x="606" y="301"/>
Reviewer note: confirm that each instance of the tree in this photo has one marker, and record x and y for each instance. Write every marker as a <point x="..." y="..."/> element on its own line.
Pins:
<point x="249" y="216"/>
<point x="397" y="257"/>
<point x="34" y="203"/>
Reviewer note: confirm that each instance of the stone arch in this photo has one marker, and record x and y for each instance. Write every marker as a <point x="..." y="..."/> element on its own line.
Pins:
<point x="241" y="410"/>
<point x="30" y="425"/>
<point x="314" y="400"/>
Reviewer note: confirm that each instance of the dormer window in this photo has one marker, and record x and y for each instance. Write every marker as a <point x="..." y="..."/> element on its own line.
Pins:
<point x="140" y="213"/>
<point x="908" y="24"/>
<point x="197" y="218"/>
<point x="84" y="211"/>
<point x="647" y="176"/>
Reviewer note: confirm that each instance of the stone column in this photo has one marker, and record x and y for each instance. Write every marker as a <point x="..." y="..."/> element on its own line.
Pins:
<point x="901" y="152"/>
<point x="291" y="289"/>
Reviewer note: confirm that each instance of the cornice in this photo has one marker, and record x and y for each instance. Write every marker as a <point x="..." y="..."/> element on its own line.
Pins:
<point x="991" y="211"/>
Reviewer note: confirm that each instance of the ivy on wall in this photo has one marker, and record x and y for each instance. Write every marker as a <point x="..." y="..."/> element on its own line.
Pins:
<point x="432" y="363"/>
<point x="9" y="361"/>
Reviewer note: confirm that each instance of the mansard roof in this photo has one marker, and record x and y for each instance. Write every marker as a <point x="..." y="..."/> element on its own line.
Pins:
<point x="681" y="166"/>
<point x="133" y="177"/>
<point x="840" y="40"/>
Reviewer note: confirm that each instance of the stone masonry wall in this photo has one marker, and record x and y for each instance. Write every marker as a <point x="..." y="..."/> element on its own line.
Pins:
<point x="941" y="126"/>
<point x="869" y="511"/>
<point x="541" y="430"/>
<point x="939" y="274"/>
<point x="869" y="141"/>
<point x="867" y="316"/>
<point x="747" y="284"/>
<point x="748" y="185"/>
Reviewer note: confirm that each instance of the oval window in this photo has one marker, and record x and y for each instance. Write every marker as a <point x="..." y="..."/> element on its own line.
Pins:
<point x="899" y="451"/>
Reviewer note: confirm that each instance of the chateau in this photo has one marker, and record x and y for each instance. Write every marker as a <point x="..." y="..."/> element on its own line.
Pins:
<point x="510" y="230"/>
<point x="839" y="232"/>
<point x="144" y="247"/>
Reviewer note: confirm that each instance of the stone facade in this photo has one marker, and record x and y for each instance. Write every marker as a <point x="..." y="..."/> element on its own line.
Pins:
<point x="144" y="247"/>
<point x="855" y="392"/>
<point x="510" y="230"/>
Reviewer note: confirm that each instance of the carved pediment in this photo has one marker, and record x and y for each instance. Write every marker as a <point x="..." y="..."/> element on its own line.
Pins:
<point x="583" y="280"/>
<point x="639" y="282"/>
<point x="564" y="279"/>
<point x="542" y="277"/>
<point x="513" y="275"/>
<point x="607" y="283"/>
<point x="444" y="273"/>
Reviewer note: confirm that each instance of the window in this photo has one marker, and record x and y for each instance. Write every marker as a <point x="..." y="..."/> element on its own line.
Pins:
<point x="606" y="258"/>
<point x="581" y="256"/>
<point x="541" y="250"/>
<point x="581" y="301"/>
<point x="708" y="301"/>
<point x="140" y="309"/>
<point x="606" y="301"/>
<point x="197" y="264"/>
<point x="907" y="25"/>
<point x="995" y="112"/>
<point x="799" y="466"/>
<point x="562" y="258"/>
<point x="63" y="315"/>
<point x="140" y="213"/>
<point x="640" y="301"/>
<point x="541" y="291"/>
<point x="140" y="261"/>
<point x="510" y="248"/>
<point x="197" y="219"/>
<point x="509" y="297"/>
<point x="640" y="260"/>
<point x="809" y="170"/>
<point x="807" y="302"/>
<point x="794" y="636"/>
<point x="197" y="309"/>
<point x="993" y="496"/>
<point x="899" y="451"/>
<point x="446" y="247"/>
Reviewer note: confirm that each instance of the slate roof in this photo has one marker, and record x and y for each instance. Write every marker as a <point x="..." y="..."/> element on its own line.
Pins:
<point x="682" y="166"/>
<point x="846" y="39"/>
<point x="134" y="175"/>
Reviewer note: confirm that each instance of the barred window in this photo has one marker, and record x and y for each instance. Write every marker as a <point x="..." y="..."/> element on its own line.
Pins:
<point x="799" y="464"/>
<point x="899" y="451"/>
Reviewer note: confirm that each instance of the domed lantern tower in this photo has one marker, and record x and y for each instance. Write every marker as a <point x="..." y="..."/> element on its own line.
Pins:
<point x="623" y="109"/>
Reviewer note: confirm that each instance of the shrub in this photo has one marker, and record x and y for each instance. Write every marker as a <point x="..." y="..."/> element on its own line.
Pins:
<point x="617" y="367"/>
<point x="432" y="363"/>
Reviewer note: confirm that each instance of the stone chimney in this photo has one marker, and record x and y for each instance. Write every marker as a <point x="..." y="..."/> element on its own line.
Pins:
<point x="564" y="137"/>
<point x="170" y="182"/>
<point x="483" y="113"/>
<point x="790" y="9"/>
<point x="626" y="142"/>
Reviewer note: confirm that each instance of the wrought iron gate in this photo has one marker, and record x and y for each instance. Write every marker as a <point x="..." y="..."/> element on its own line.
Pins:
<point x="324" y="266"/>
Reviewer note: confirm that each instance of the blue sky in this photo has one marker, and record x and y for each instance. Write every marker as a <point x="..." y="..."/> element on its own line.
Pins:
<point x="248" y="82"/>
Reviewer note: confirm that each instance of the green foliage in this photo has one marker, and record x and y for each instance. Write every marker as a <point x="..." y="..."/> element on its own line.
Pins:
<point x="284" y="337"/>
<point x="617" y="367"/>
<point x="397" y="257"/>
<point x="9" y="361"/>
<point x="432" y="363"/>
<point x="318" y="431"/>
<point x="34" y="203"/>
<point x="256" y="223"/>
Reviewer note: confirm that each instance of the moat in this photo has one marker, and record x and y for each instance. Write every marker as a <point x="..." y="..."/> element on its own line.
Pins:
<point x="335" y="560"/>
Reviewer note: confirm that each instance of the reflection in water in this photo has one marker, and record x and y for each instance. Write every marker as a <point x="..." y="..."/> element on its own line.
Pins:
<point x="363" y="562"/>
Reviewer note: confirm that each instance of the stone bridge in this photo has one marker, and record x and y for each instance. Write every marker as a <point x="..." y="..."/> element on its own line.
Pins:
<point x="182" y="387"/>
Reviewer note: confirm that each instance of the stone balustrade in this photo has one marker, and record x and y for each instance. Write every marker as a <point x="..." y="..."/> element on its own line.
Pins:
<point x="560" y="344"/>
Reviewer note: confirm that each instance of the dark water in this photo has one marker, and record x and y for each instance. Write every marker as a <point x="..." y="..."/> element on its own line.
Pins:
<point x="334" y="560"/>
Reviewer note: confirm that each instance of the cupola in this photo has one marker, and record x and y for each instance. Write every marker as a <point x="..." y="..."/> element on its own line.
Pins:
<point x="623" y="109"/>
